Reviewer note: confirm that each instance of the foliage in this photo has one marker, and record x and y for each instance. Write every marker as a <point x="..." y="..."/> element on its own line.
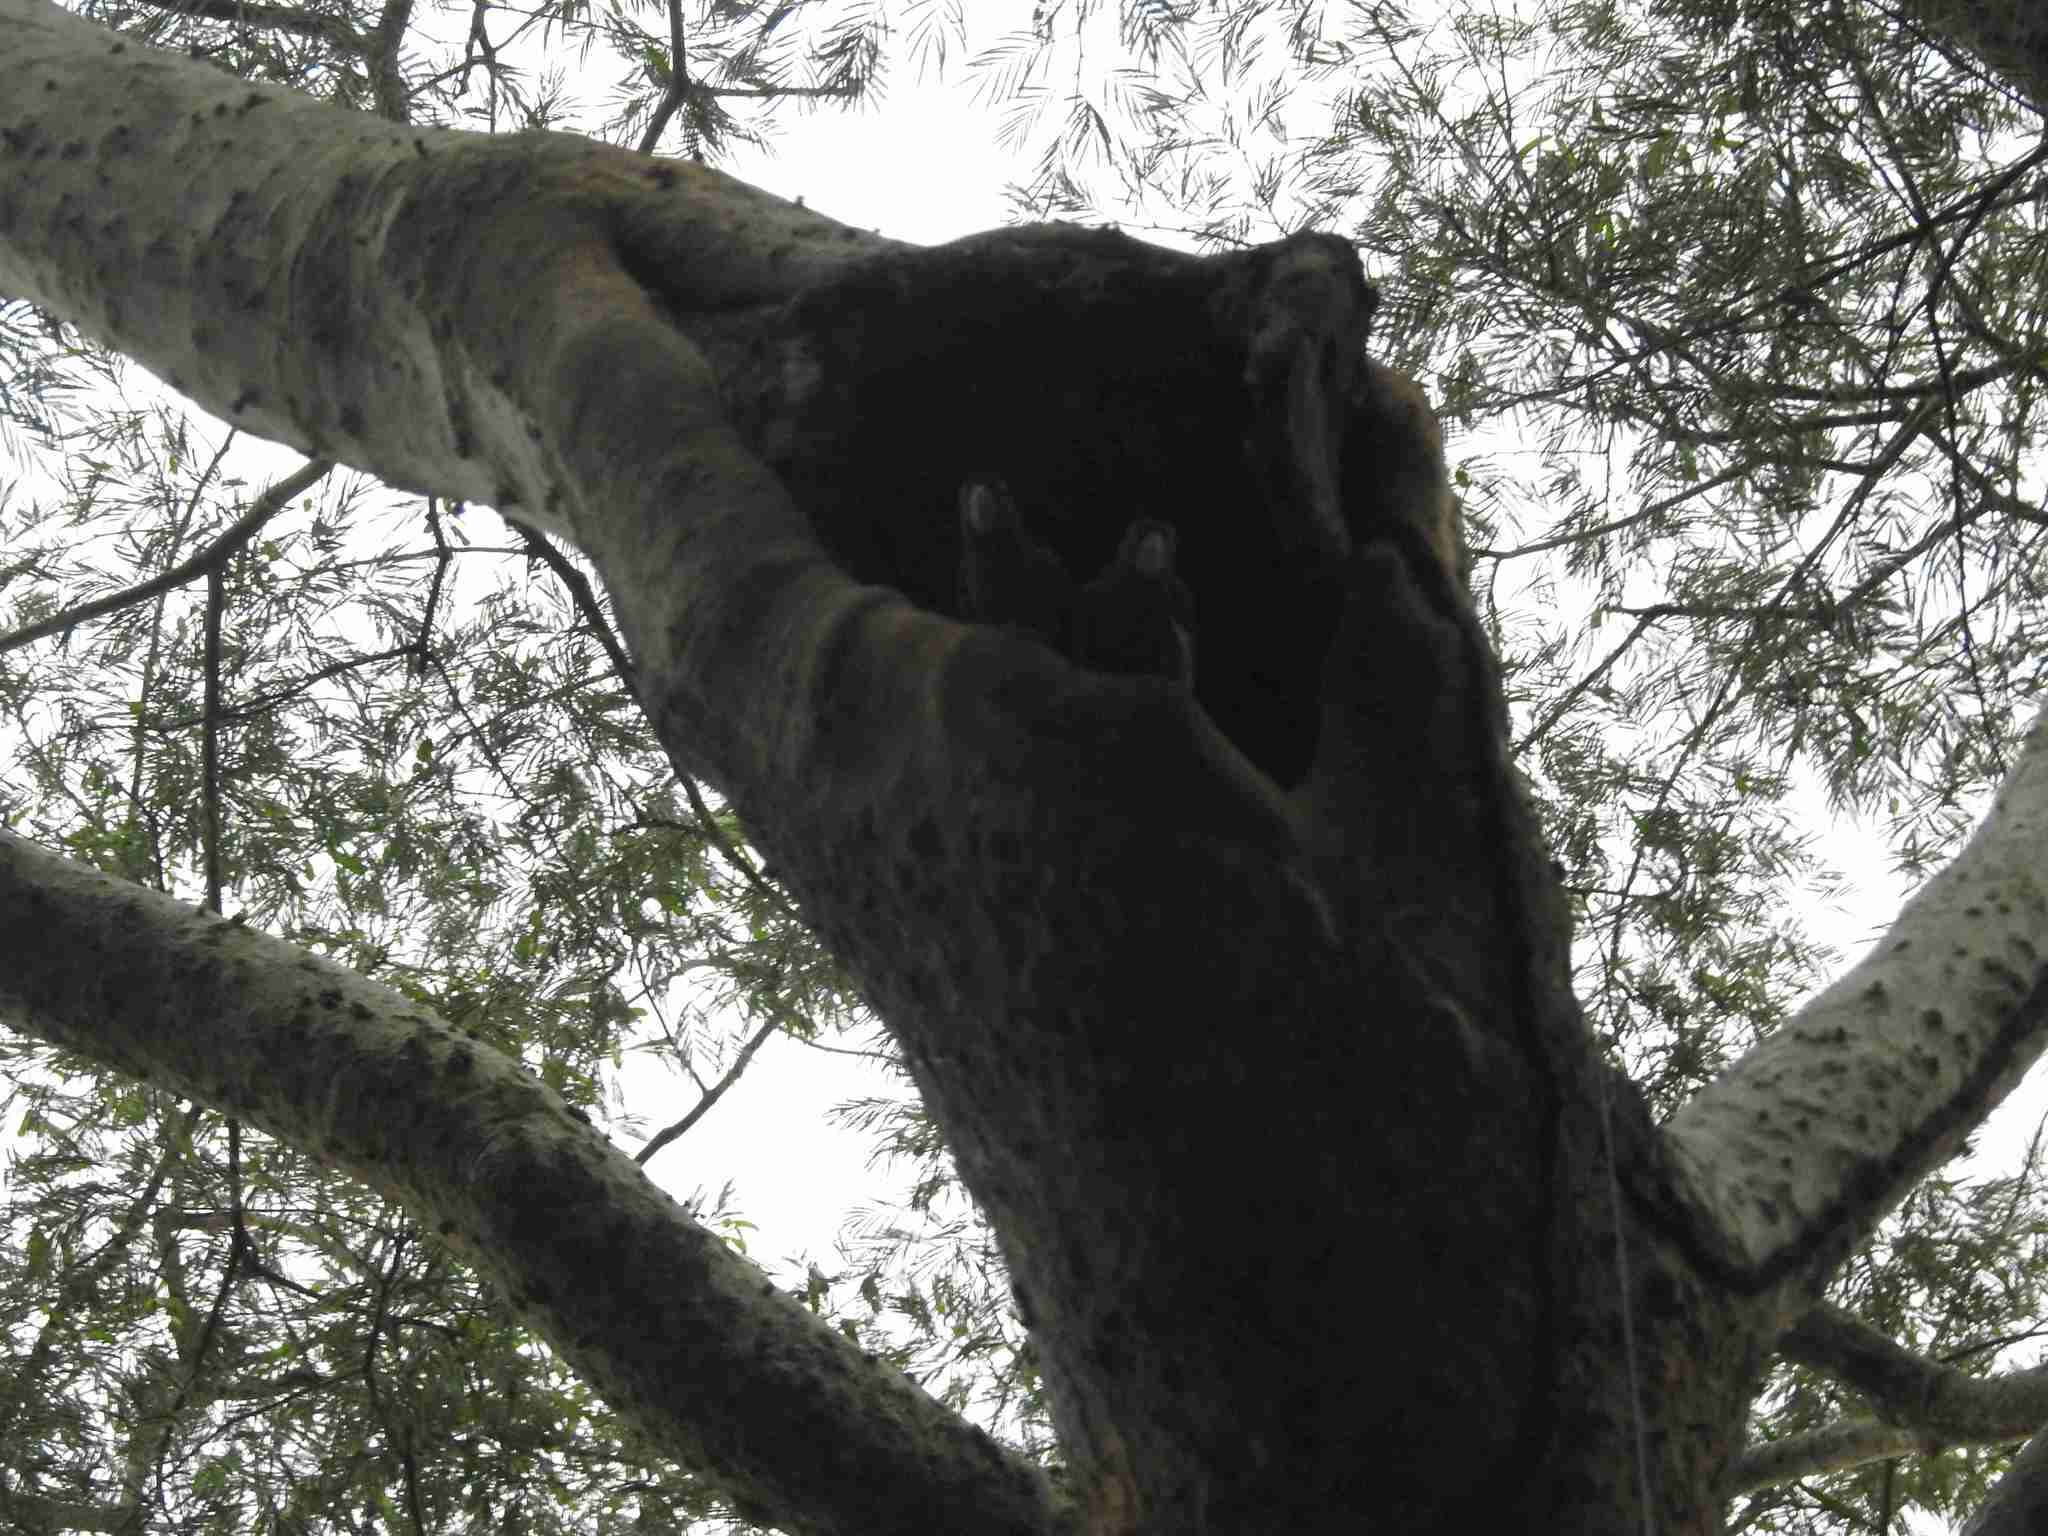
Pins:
<point x="432" y="771"/>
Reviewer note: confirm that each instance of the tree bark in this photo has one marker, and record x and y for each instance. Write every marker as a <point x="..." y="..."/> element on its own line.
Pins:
<point x="679" y="1333"/>
<point x="2019" y="1505"/>
<point x="2011" y="36"/>
<point x="1244" y="1006"/>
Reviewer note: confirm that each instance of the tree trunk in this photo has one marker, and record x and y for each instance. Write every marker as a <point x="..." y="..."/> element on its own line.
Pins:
<point x="1243" y="1003"/>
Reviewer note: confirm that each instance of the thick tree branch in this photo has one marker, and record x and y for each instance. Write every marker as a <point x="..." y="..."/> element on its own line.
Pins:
<point x="1832" y="1448"/>
<point x="684" y="1338"/>
<point x="1802" y="1146"/>
<point x="1106" y="915"/>
<point x="2018" y="1506"/>
<point x="1923" y="1406"/>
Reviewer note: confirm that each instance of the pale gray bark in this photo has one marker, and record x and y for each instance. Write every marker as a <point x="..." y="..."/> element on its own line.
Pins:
<point x="304" y="272"/>
<point x="1803" y="1145"/>
<point x="1922" y="1405"/>
<point x="685" y="1338"/>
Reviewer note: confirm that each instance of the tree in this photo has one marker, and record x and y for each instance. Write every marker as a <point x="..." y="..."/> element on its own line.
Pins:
<point x="739" y="412"/>
<point x="1780" y="423"/>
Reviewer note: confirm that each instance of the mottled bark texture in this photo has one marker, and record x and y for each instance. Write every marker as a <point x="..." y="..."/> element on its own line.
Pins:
<point x="683" y="1336"/>
<point x="1245" y="1008"/>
